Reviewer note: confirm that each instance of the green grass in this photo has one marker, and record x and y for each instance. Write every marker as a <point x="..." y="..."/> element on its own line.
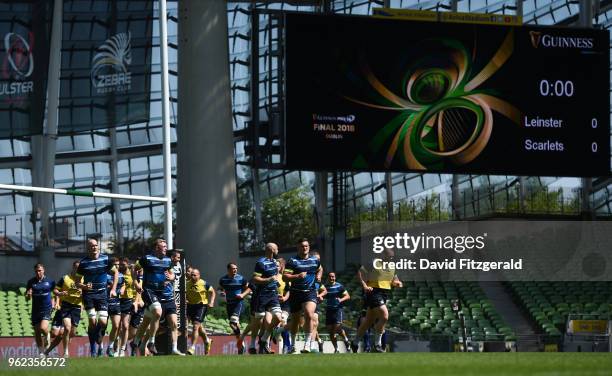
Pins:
<point x="421" y="364"/>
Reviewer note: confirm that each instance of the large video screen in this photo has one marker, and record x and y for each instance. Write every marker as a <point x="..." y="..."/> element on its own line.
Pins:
<point x="373" y="94"/>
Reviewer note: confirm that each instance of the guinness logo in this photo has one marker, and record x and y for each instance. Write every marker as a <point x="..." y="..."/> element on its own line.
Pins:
<point x="535" y="38"/>
<point x="558" y="41"/>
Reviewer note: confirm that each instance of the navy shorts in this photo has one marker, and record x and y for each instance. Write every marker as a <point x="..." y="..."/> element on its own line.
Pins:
<point x="168" y="307"/>
<point x="127" y="306"/>
<point x="68" y="311"/>
<point x="137" y="316"/>
<point x="334" y="316"/>
<point x="95" y="299"/>
<point x="376" y="298"/>
<point x="285" y="306"/>
<point x="264" y="301"/>
<point x="168" y="304"/>
<point x="234" y="308"/>
<point x="40" y="315"/>
<point x="297" y="298"/>
<point x="114" y="307"/>
<point x="197" y="312"/>
<point x="149" y="297"/>
<point x="57" y="320"/>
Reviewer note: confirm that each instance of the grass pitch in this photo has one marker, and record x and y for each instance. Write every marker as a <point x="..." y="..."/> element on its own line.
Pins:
<point x="420" y="364"/>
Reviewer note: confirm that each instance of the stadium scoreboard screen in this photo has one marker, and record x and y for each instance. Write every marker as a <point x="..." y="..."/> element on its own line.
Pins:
<point x="374" y="94"/>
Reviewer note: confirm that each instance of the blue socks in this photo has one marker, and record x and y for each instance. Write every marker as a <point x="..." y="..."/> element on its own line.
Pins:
<point x="91" y="333"/>
<point x="286" y="339"/>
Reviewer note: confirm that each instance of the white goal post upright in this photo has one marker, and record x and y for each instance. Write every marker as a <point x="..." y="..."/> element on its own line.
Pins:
<point x="163" y="50"/>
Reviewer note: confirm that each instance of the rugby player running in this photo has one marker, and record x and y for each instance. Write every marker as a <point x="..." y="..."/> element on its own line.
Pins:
<point x="302" y="272"/>
<point x="158" y="295"/>
<point x="69" y="312"/>
<point x="266" y="299"/>
<point x="235" y="288"/>
<point x="376" y="284"/>
<point x="93" y="269"/>
<point x="39" y="290"/>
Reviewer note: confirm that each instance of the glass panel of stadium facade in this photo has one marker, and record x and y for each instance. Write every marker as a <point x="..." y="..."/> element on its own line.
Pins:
<point x="84" y="160"/>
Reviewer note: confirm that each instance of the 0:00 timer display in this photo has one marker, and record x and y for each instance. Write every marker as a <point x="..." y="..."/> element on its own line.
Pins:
<point x="557" y="88"/>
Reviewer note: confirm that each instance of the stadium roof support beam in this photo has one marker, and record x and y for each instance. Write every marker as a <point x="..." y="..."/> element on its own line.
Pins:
<point x="455" y="198"/>
<point x="585" y="19"/>
<point x="522" y="179"/>
<point x="207" y="217"/>
<point x="389" y="189"/>
<point x="254" y="103"/>
<point x="288" y="2"/>
<point x="44" y="146"/>
<point x="339" y="219"/>
<point x="585" y="16"/>
<point x="257" y="204"/>
<point x="320" y="191"/>
<point x="113" y="168"/>
<point x="123" y="153"/>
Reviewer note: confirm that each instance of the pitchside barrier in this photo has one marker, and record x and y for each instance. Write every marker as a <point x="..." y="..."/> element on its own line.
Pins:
<point x="79" y="347"/>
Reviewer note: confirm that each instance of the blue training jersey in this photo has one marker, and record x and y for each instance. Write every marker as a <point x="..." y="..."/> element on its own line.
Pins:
<point x="94" y="272"/>
<point x="154" y="277"/>
<point x="109" y="284"/>
<point x="265" y="268"/>
<point x="41" y="293"/>
<point x="334" y="293"/>
<point x="297" y="265"/>
<point x="233" y="286"/>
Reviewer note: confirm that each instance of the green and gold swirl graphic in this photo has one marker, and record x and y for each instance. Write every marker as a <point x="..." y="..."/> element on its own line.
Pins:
<point x="444" y="115"/>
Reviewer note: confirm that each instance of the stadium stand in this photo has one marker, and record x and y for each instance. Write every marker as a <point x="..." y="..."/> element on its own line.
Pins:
<point x="548" y="304"/>
<point x="420" y="308"/>
<point x="15" y="313"/>
<point x="424" y="309"/>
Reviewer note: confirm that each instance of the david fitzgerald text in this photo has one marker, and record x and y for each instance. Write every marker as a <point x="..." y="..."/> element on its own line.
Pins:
<point x="453" y="264"/>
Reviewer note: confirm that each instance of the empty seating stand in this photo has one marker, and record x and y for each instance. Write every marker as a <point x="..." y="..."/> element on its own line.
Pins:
<point x="548" y="304"/>
<point x="424" y="309"/>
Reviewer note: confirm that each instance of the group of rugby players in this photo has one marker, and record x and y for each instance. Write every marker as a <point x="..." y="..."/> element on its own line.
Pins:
<point x="284" y="298"/>
<point x="133" y="296"/>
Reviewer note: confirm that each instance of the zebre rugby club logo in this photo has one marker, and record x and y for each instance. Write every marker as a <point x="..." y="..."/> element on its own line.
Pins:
<point x="109" y="72"/>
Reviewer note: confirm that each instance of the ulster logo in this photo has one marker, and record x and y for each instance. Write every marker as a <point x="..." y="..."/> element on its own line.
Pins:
<point x="17" y="66"/>
<point x="18" y="55"/>
<point x="109" y="72"/>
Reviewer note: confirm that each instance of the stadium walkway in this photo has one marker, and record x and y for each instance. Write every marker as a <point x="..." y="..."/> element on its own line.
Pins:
<point x="502" y="301"/>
